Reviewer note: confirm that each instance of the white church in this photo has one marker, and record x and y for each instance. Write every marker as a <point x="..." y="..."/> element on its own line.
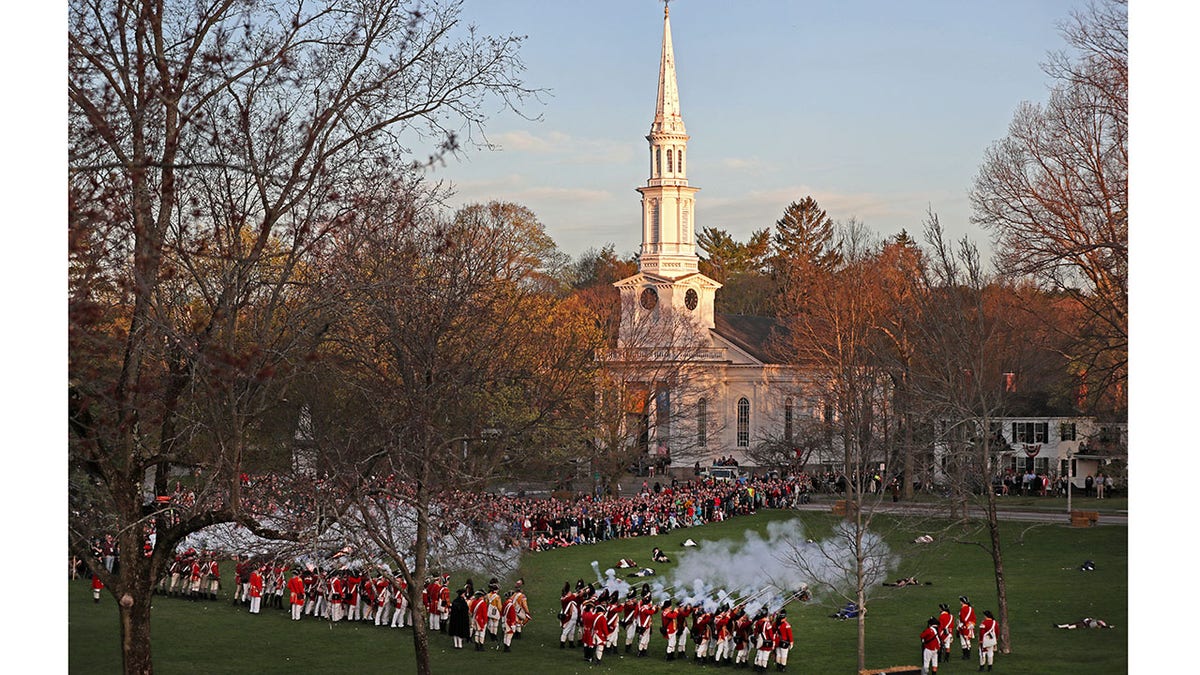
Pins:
<point x="710" y="387"/>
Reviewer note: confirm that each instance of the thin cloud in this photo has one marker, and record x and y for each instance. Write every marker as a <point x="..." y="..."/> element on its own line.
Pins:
<point x="574" y="150"/>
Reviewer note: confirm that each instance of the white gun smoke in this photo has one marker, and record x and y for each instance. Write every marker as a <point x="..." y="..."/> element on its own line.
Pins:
<point x="771" y="572"/>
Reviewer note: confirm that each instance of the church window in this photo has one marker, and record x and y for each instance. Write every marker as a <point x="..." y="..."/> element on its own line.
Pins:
<point x="680" y="158"/>
<point x="654" y="234"/>
<point x="702" y="423"/>
<point x="787" y="420"/>
<point x="658" y="161"/>
<point x="670" y="165"/>
<point x="649" y="298"/>
<point x="743" y="423"/>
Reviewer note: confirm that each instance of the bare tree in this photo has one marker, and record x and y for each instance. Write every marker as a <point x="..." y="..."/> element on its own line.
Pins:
<point x="1055" y="194"/>
<point x="970" y="335"/>
<point x="450" y="364"/>
<point x="213" y="148"/>
<point x="832" y="317"/>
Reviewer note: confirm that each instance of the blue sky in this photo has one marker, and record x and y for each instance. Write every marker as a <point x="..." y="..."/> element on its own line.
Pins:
<point x="880" y="110"/>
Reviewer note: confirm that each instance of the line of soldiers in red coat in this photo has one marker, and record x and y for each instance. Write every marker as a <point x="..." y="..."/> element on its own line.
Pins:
<point x="475" y="616"/>
<point x="599" y="619"/>
<point x="193" y="574"/>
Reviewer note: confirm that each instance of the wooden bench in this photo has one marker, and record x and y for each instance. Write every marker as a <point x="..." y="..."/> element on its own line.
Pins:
<point x="844" y="507"/>
<point x="1084" y="518"/>
<point x="894" y="670"/>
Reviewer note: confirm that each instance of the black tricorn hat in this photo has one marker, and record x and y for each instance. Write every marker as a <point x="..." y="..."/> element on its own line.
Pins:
<point x="932" y="621"/>
<point x="963" y="599"/>
<point x="944" y="607"/>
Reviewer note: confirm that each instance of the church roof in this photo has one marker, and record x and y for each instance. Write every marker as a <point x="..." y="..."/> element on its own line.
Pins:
<point x="753" y="334"/>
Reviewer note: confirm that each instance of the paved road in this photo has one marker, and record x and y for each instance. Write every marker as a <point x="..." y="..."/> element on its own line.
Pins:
<point x="942" y="510"/>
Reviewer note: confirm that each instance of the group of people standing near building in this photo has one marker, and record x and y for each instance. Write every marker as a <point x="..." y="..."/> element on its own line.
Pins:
<point x="723" y="635"/>
<point x="938" y="637"/>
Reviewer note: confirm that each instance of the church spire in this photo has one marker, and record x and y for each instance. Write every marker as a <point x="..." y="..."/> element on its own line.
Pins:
<point x="667" y="118"/>
<point x="668" y="202"/>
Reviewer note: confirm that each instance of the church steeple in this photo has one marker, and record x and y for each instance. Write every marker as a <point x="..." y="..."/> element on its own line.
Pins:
<point x="667" y="118"/>
<point x="668" y="237"/>
<point x="668" y="286"/>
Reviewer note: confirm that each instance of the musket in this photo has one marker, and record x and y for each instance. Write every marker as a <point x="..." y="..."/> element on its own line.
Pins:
<point x="755" y="595"/>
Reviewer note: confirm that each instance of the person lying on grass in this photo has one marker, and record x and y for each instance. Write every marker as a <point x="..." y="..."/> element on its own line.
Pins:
<point x="1085" y="622"/>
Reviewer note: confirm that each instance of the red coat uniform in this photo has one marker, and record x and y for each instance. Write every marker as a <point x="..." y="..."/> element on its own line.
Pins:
<point x="669" y="621"/>
<point x="431" y="596"/>
<point x="256" y="584"/>
<point x="741" y="632"/>
<point x="381" y="592"/>
<point x="966" y="621"/>
<point x="479" y="613"/>
<point x="337" y="590"/>
<point x="629" y="611"/>
<point x="645" y="614"/>
<point x="987" y="632"/>
<point x="945" y="628"/>
<point x="599" y="630"/>
<point x="570" y="609"/>
<point x="721" y="626"/>
<point x="766" y="636"/>
<point x="783" y="633"/>
<point x="681" y="616"/>
<point x="588" y="617"/>
<point x="509" y="613"/>
<point x="296" y="590"/>
<point x="930" y="639"/>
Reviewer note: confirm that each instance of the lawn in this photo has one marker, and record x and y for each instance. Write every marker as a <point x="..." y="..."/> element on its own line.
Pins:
<point x="1045" y="586"/>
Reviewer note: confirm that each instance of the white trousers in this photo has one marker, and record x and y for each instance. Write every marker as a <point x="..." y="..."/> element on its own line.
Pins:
<point x="568" y="631"/>
<point x="929" y="660"/>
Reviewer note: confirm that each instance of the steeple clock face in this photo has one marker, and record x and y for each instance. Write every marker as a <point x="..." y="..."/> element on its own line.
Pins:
<point x="691" y="299"/>
<point x="649" y="299"/>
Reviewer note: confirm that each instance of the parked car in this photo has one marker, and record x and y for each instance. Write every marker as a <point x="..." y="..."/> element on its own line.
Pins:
<point x="723" y="473"/>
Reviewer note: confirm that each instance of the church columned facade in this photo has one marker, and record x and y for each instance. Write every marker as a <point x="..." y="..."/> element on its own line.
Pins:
<point x="709" y="386"/>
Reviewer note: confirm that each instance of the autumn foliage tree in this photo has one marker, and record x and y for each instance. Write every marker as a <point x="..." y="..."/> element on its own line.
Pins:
<point x="449" y="364"/>
<point x="1055" y="194"/>
<point x="213" y="150"/>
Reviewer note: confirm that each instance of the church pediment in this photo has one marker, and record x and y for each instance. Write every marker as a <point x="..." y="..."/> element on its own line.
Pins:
<point x="648" y="279"/>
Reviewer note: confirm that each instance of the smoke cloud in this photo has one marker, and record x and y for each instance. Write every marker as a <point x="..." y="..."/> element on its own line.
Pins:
<point x="772" y="571"/>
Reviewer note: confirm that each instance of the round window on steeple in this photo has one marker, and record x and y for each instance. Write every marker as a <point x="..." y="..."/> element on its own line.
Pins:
<point x="649" y="299"/>
<point x="691" y="299"/>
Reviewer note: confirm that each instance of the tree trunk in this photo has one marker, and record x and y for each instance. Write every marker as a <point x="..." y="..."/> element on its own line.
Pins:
<point x="420" y="572"/>
<point x="133" y="601"/>
<point x="861" y="595"/>
<point x="1004" y="643"/>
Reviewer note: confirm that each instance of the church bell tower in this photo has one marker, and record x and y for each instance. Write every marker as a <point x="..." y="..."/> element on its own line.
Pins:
<point x="669" y="283"/>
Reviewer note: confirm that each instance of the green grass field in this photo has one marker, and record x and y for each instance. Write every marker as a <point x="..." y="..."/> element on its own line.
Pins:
<point x="1045" y="586"/>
